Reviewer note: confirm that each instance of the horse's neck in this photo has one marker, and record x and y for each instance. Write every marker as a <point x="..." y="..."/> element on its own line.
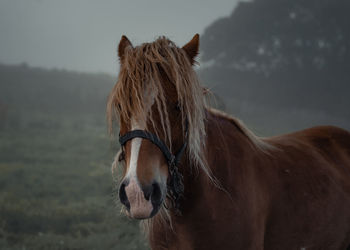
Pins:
<point x="228" y="150"/>
<point x="225" y="147"/>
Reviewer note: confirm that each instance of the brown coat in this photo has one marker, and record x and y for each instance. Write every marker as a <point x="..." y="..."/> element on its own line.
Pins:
<point x="293" y="196"/>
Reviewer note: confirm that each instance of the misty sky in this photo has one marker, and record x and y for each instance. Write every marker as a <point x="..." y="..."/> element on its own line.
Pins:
<point x="83" y="34"/>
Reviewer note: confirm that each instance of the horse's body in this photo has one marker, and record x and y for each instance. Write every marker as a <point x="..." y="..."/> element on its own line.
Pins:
<point x="286" y="192"/>
<point x="293" y="196"/>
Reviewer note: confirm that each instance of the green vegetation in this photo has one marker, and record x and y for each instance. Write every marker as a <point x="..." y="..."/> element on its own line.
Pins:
<point x="56" y="187"/>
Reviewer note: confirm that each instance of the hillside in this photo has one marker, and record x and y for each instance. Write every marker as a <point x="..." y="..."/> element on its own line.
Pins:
<point x="35" y="90"/>
<point x="281" y="65"/>
<point x="56" y="188"/>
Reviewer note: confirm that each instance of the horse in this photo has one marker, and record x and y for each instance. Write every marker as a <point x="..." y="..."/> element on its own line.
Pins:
<point x="198" y="178"/>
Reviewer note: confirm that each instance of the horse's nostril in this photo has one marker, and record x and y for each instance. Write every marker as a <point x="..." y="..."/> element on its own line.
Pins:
<point x="147" y="192"/>
<point x="122" y="195"/>
<point x="156" y="194"/>
<point x="153" y="192"/>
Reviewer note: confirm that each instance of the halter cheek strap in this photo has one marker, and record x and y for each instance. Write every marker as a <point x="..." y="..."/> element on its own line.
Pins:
<point x="175" y="182"/>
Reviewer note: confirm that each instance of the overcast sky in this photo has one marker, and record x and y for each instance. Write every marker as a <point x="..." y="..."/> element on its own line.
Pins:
<point x="83" y="34"/>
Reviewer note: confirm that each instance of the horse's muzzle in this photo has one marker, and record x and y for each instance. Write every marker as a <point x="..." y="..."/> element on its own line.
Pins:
<point x="141" y="202"/>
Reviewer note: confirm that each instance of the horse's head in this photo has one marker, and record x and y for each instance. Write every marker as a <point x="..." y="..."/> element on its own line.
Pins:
<point x="157" y="92"/>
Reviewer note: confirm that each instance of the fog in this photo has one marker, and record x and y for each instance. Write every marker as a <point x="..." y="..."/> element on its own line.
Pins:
<point x="83" y="35"/>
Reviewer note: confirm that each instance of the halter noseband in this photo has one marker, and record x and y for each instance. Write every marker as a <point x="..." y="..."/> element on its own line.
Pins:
<point x="175" y="182"/>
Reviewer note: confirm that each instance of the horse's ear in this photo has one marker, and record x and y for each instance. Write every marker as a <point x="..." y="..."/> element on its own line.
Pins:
<point x="192" y="48"/>
<point x="123" y="44"/>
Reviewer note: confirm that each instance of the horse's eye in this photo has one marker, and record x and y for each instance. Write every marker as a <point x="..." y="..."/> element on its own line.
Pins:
<point x="121" y="156"/>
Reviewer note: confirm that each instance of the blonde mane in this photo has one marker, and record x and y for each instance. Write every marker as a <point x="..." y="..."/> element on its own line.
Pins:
<point x="140" y="71"/>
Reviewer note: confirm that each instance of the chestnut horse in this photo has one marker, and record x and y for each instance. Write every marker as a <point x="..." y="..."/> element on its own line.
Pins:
<point x="199" y="179"/>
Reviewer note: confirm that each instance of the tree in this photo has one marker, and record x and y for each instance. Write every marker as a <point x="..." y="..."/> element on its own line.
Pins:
<point x="271" y="35"/>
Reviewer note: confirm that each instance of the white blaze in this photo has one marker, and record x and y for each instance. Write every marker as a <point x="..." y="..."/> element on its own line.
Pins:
<point x="149" y="96"/>
<point x="139" y="207"/>
<point x="135" y="149"/>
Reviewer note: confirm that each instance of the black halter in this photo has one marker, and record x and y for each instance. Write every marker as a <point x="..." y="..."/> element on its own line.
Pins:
<point x="175" y="180"/>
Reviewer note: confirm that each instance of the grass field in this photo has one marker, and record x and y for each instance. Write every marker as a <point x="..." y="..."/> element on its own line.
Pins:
<point x="56" y="189"/>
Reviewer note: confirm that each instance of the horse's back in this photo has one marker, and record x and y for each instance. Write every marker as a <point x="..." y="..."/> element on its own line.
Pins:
<point x="327" y="142"/>
<point x="333" y="145"/>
